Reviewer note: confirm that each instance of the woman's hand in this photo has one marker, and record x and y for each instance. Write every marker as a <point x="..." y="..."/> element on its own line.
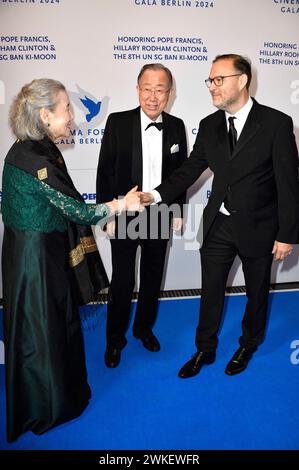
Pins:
<point x="132" y="200"/>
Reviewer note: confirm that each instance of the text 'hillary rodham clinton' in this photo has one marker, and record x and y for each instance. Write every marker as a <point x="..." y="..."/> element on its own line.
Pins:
<point x="150" y="459"/>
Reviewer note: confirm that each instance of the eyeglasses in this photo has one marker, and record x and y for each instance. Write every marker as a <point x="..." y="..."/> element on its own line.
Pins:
<point x="218" y="81"/>
<point x="158" y="92"/>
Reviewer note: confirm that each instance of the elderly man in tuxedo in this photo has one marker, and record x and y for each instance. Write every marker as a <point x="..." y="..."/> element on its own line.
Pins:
<point x="142" y="147"/>
<point x="253" y="209"/>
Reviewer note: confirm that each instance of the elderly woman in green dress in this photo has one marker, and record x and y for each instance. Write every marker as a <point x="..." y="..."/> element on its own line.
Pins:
<point x="50" y="265"/>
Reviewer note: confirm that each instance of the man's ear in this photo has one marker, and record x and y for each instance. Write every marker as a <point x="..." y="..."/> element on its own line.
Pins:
<point x="44" y="114"/>
<point x="243" y="79"/>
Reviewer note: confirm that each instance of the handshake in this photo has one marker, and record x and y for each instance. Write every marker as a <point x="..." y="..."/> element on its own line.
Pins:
<point x="133" y="201"/>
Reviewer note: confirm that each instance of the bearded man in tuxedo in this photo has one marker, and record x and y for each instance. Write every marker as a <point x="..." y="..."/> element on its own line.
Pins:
<point x="253" y="210"/>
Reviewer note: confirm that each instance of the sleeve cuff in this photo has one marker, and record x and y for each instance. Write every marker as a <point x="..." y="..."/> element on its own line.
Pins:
<point x="102" y="210"/>
<point x="156" y="196"/>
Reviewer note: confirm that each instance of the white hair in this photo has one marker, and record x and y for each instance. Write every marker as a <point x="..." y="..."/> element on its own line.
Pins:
<point x="25" y="118"/>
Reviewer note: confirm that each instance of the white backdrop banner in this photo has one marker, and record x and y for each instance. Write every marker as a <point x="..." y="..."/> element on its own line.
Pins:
<point x="97" y="47"/>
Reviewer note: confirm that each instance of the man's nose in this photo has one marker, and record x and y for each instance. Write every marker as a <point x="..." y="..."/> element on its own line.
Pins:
<point x="212" y="86"/>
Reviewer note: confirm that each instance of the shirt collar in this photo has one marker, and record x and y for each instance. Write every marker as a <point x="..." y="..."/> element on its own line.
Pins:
<point x="243" y="112"/>
<point x="145" y="120"/>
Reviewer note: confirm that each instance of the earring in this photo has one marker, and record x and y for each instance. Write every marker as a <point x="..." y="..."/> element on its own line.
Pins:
<point x="48" y="124"/>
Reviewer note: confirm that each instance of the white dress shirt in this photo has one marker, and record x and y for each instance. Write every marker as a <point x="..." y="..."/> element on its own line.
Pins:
<point x="152" y="141"/>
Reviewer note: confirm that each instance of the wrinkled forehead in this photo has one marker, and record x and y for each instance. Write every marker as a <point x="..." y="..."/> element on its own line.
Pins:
<point x="154" y="77"/>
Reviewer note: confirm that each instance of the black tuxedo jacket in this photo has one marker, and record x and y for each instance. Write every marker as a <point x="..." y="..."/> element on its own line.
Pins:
<point x="120" y="162"/>
<point x="260" y="179"/>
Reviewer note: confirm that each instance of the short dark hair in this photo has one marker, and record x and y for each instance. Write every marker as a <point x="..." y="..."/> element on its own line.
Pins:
<point x="242" y="64"/>
<point x="156" y="67"/>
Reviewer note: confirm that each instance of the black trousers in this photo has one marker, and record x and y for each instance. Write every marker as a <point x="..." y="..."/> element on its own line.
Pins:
<point x="122" y="285"/>
<point x="217" y="256"/>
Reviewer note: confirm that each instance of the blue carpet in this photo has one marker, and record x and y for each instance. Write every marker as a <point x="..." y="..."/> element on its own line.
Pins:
<point x="142" y="404"/>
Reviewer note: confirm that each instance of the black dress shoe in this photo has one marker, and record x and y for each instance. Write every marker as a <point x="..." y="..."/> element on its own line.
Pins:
<point x="239" y="361"/>
<point x="149" y="341"/>
<point x="193" y="366"/>
<point x="112" y="357"/>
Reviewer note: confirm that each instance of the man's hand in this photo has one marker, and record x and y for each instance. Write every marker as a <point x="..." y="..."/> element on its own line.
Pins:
<point x="146" y="198"/>
<point x="177" y="224"/>
<point x="281" y="250"/>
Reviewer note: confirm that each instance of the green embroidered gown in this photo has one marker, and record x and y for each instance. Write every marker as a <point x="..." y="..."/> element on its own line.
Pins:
<point x="46" y="379"/>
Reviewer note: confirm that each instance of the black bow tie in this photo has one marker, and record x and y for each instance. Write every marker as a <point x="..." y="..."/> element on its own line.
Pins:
<point x="158" y="125"/>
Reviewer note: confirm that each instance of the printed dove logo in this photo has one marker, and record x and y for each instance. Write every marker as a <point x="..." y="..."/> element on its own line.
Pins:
<point x="93" y="108"/>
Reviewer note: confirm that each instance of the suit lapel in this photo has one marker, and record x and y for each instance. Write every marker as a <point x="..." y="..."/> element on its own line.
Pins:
<point x="136" y="149"/>
<point x="252" y="125"/>
<point x="221" y="132"/>
<point x="221" y="137"/>
<point x="165" y="143"/>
